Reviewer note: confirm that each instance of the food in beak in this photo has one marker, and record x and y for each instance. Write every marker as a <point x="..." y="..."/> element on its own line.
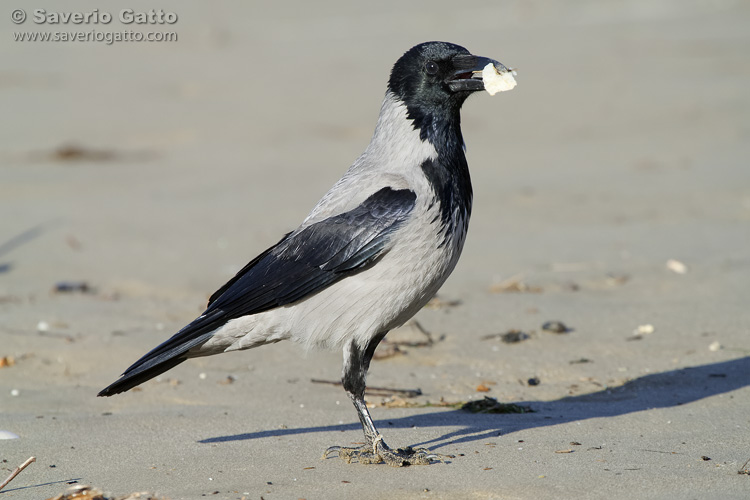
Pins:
<point x="495" y="81"/>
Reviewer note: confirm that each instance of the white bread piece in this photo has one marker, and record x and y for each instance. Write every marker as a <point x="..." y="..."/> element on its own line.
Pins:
<point x="495" y="82"/>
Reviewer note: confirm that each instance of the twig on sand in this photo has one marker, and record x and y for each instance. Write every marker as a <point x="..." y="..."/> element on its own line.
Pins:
<point x="375" y="391"/>
<point x="17" y="471"/>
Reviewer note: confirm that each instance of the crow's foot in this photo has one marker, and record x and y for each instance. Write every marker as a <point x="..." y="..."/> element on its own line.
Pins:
<point x="379" y="452"/>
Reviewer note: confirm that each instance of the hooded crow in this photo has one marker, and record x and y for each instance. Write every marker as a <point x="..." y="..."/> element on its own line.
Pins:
<point x="371" y="253"/>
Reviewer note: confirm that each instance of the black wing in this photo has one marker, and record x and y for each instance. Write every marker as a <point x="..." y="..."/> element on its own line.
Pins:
<point x="298" y="266"/>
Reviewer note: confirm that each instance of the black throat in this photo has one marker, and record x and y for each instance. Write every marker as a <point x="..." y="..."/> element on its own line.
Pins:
<point x="448" y="174"/>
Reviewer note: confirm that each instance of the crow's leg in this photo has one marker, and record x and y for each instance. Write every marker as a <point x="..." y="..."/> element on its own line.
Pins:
<point x="356" y="364"/>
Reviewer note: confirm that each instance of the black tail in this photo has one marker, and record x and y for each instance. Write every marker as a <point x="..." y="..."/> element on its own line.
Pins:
<point x="167" y="355"/>
<point x="129" y="380"/>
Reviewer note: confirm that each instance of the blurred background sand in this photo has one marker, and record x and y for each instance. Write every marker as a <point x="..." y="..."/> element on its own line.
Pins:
<point x="152" y="172"/>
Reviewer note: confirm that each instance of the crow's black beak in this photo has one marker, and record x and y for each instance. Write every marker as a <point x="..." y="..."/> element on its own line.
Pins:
<point x="468" y="74"/>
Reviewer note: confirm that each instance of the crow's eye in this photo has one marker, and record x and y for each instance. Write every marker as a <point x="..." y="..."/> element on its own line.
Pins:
<point x="431" y="67"/>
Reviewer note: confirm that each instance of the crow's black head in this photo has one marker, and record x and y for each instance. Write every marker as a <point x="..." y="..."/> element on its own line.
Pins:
<point x="438" y="76"/>
<point x="434" y="79"/>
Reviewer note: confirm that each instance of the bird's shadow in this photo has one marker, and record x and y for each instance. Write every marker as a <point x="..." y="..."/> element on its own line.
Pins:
<point x="658" y="390"/>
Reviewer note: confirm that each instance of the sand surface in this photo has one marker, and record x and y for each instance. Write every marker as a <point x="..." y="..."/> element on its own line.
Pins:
<point x="154" y="171"/>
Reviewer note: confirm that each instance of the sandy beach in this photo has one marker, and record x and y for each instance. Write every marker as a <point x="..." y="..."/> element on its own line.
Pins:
<point x="611" y="193"/>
